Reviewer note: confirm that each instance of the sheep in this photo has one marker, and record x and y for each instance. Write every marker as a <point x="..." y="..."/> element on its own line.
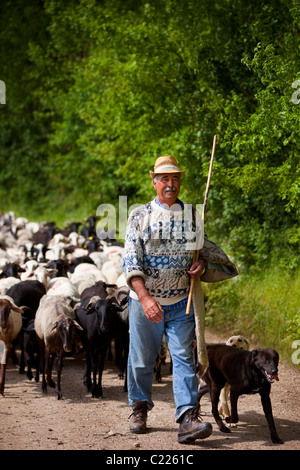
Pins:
<point x="39" y="252"/>
<point x="121" y="335"/>
<point x="76" y="260"/>
<point x="56" y="251"/>
<point x="98" y="257"/>
<point x="100" y="289"/>
<point x="32" y="227"/>
<point x="60" y="268"/>
<point x="7" y="238"/>
<point x="85" y="275"/>
<point x="112" y="269"/>
<point x="26" y="294"/>
<point x="121" y="280"/>
<point x="4" y="258"/>
<point x="7" y="283"/>
<point x="44" y="234"/>
<point x="29" y="268"/>
<point x="55" y="328"/>
<point x="76" y="239"/>
<point x="98" y="318"/>
<point x="62" y="286"/>
<point x="41" y="273"/>
<point x="10" y="326"/>
<point x="31" y="348"/>
<point x="11" y="270"/>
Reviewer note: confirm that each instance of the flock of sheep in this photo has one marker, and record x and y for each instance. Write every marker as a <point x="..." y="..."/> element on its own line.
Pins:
<point x="46" y="276"/>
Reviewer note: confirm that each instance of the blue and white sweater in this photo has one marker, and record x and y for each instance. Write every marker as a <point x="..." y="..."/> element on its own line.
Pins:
<point x="159" y="247"/>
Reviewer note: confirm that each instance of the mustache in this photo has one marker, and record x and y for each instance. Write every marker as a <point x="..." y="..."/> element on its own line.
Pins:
<point x="171" y="188"/>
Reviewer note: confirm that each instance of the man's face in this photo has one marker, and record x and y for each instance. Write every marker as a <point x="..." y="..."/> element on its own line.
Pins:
<point x="167" y="187"/>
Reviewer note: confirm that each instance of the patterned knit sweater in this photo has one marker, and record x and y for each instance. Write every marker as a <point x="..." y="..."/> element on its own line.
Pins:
<point x="159" y="247"/>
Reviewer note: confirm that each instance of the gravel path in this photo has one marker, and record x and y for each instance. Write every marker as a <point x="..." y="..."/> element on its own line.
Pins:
<point x="33" y="421"/>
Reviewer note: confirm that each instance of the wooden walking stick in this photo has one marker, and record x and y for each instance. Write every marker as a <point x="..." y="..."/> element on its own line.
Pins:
<point x="196" y="255"/>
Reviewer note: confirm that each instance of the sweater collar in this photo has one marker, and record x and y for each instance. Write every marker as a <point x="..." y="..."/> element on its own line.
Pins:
<point x="165" y="206"/>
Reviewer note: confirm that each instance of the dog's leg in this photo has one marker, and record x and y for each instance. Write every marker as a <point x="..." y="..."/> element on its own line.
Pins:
<point x="267" y="407"/>
<point x="215" y="395"/>
<point x="233" y="403"/>
<point x="224" y="410"/>
<point x="202" y="390"/>
<point x="223" y="407"/>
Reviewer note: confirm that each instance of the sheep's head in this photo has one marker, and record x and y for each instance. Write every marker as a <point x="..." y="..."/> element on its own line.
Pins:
<point x="5" y="308"/>
<point x="66" y="328"/>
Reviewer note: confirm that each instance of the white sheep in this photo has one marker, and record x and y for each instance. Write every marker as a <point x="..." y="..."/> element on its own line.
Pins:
<point x="76" y="239"/>
<point x="32" y="227"/>
<point x="6" y="283"/>
<point x="62" y="286"/>
<point x="4" y="258"/>
<point x="55" y="326"/>
<point x="56" y="251"/>
<point x="42" y="274"/>
<point x="121" y="281"/>
<point x="85" y="275"/>
<point x="30" y="266"/>
<point x="99" y="257"/>
<point x="112" y="269"/>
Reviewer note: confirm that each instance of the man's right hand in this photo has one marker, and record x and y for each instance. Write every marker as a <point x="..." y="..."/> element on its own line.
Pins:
<point x="152" y="309"/>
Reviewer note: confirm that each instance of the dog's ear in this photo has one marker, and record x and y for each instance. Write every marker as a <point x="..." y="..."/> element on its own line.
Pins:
<point x="255" y="351"/>
<point x="254" y="354"/>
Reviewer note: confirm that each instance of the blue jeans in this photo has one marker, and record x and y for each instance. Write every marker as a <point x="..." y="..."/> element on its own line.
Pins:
<point x="145" y="341"/>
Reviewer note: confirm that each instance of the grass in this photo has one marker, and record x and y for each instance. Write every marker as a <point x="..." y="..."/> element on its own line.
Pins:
<point x="263" y="307"/>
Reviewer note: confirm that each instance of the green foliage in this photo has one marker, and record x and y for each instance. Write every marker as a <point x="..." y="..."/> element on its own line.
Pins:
<point x="97" y="90"/>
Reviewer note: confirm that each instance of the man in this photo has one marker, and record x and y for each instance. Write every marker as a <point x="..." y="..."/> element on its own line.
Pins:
<point x="158" y="264"/>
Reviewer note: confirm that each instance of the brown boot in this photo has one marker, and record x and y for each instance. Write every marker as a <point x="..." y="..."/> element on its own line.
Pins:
<point x="138" y="417"/>
<point x="192" y="428"/>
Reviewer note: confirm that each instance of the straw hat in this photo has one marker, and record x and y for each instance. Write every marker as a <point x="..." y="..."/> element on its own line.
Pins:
<point x="166" y="165"/>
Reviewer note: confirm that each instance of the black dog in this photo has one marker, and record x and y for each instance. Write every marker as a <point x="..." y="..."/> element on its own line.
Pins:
<point x="246" y="372"/>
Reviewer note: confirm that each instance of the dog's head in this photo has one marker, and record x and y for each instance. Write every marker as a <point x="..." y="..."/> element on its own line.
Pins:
<point x="238" y="342"/>
<point x="266" y="361"/>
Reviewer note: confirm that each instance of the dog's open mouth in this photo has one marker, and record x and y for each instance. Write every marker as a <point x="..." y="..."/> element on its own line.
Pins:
<point x="271" y="377"/>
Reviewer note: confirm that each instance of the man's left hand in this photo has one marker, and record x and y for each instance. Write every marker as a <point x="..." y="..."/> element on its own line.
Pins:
<point x="197" y="268"/>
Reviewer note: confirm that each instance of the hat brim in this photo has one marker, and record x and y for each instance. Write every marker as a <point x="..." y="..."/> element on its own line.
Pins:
<point x="166" y="172"/>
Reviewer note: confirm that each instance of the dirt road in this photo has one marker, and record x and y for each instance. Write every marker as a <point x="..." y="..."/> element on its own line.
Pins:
<point x="33" y="421"/>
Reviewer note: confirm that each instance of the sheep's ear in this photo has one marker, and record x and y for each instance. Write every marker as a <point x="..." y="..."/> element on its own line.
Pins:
<point x="91" y="303"/>
<point x="15" y="308"/>
<point x="51" y="271"/>
<point x="117" y="307"/>
<point x="77" y="325"/>
<point x="54" y="326"/>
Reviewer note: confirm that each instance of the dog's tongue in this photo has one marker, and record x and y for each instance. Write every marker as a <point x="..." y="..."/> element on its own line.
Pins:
<point x="272" y="377"/>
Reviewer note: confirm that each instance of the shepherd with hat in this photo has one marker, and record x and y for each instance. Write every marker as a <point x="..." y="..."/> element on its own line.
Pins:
<point x="158" y="265"/>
